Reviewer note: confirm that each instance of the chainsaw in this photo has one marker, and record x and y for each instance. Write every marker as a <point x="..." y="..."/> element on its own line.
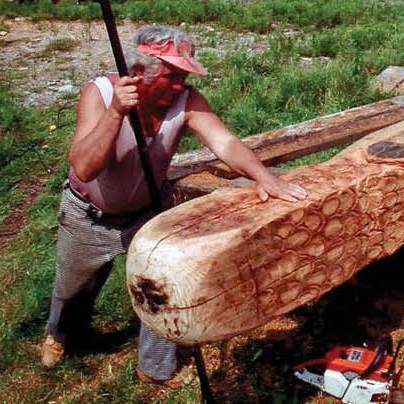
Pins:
<point x="355" y="375"/>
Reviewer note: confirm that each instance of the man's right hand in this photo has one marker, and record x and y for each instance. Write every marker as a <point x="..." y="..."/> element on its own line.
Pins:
<point x="125" y="95"/>
<point x="98" y="127"/>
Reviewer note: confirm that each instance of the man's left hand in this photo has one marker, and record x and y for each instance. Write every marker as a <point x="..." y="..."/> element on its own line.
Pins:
<point x="278" y="188"/>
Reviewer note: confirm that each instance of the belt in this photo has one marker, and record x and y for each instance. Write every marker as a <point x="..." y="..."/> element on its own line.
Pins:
<point x="77" y="194"/>
<point x="97" y="213"/>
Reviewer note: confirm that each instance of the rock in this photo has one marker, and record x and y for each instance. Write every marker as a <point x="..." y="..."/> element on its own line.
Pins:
<point x="391" y="79"/>
<point x="66" y="88"/>
<point x="291" y="32"/>
<point x="306" y="61"/>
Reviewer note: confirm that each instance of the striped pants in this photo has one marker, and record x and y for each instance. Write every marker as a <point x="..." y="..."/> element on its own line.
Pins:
<point x="86" y="247"/>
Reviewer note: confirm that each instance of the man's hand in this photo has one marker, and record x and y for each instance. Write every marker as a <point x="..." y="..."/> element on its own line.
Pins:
<point x="278" y="188"/>
<point x="228" y="148"/>
<point x="98" y="127"/>
<point x="125" y="95"/>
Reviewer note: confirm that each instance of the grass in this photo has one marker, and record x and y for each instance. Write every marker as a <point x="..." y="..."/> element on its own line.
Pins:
<point x="29" y="152"/>
<point x="251" y="92"/>
<point x="60" y="45"/>
<point x="258" y="16"/>
<point x="3" y="25"/>
<point x="272" y="89"/>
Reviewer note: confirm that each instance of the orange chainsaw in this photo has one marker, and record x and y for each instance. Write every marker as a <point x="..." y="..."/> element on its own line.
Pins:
<point x="355" y="375"/>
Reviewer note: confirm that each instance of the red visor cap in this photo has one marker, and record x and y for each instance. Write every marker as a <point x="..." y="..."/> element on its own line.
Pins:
<point x="180" y="57"/>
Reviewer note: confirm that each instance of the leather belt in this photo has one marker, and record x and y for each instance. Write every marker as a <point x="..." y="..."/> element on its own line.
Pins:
<point x="97" y="213"/>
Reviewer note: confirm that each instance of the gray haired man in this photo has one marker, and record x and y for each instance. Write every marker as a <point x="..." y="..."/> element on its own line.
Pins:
<point x="105" y="200"/>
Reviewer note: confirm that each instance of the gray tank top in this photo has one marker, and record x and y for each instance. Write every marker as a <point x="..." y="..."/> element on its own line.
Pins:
<point x="120" y="187"/>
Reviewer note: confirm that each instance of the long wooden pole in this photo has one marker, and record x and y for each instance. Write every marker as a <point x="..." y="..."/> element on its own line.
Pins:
<point x="133" y="118"/>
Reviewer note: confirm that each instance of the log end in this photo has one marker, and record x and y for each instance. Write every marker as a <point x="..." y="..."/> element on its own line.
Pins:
<point x="149" y="294"/>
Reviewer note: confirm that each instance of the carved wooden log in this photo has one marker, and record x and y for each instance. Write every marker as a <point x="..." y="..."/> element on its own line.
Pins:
<point x="225" y="263"/>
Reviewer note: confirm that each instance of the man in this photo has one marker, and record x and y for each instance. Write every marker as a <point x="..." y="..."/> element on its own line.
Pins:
<point x="106" y="198"/>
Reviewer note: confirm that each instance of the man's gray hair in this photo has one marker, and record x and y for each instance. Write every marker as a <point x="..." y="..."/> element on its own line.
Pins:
<point x="153" y="34"/>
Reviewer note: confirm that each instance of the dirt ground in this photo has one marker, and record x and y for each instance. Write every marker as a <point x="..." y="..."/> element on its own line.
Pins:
<point x="43" y="76"/>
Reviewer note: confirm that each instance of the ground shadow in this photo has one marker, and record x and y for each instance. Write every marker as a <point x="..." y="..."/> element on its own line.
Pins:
<point x="34" y="323"/>
<point x="364" y="309"/>
<point x="90" y="341"/>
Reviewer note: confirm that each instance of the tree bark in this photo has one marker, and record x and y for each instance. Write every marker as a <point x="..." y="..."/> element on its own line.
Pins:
<point x="226" y="263"/>
<point x="298" y="140"/>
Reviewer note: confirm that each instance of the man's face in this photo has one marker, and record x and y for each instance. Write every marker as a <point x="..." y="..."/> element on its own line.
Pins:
<point x="165" y="86"/>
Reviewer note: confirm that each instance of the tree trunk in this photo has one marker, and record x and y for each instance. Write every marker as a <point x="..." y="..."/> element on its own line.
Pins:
<point x="226" y="263"/>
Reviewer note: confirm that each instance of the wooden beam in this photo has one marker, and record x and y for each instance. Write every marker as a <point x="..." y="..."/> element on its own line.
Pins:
<point x="195" y="185"/>
<point x="298" y="140"/>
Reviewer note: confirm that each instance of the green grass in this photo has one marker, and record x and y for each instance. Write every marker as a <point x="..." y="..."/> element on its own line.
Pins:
<point x="60" y="45"/>
<point x="28" y="153"/>
<point x="3" y="25"/>
<point x="272" y="89"/>
<point x="28" y="149"/>
<point x="258" y="16"/>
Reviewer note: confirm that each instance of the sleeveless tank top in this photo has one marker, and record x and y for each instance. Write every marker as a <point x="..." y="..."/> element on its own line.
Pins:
<point x="120" y="187"/>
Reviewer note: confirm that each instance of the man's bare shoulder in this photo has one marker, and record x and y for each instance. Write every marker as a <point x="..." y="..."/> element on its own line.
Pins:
<point x="90" y="89"/>
<point x="90" y="99"/>
<point x="196" y="101"/>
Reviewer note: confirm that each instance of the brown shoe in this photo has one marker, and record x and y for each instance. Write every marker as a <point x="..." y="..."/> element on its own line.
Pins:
<point x="52" y="352"/>
<point x="183" y="377"/>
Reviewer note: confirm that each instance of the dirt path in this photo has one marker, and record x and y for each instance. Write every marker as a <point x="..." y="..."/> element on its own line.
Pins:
<point x="43" y="76"/>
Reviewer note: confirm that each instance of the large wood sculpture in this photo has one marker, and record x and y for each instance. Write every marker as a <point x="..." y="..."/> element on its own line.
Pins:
<point x="225" y="263"/>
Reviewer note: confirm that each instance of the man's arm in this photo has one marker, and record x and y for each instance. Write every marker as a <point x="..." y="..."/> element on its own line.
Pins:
<point x="228" y="148"/>
<point x="97" y="127"/>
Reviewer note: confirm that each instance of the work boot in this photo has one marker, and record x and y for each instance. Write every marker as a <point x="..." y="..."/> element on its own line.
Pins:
<point x="182" y="378"/>
<point x="52" y="352"/>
